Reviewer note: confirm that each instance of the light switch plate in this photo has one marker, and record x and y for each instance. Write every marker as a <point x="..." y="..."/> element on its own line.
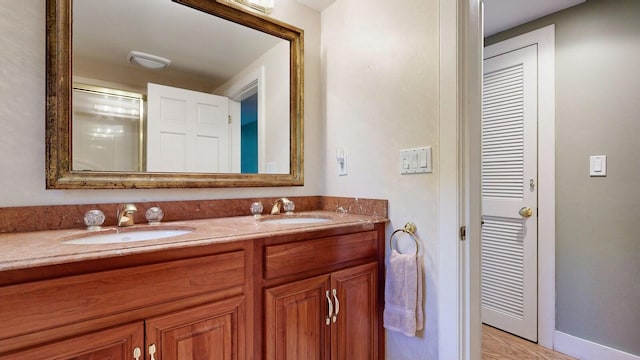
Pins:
<point x="415" y="161"/>
<point x="341" y="160"/>
<point x="598" y="165"/>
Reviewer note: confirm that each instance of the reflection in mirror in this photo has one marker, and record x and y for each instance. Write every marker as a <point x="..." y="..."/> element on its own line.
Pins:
<point x="108" y="129"/>
<point x="192" y="124"/>
<point x="147" y="93"/>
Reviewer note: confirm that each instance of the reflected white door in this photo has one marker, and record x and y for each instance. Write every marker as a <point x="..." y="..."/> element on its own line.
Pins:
<point x="509" y="184"/>
<point x="187" y="131"/>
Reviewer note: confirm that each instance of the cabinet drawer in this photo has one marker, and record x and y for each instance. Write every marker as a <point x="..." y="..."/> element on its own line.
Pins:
<point x="46" y="304"/>
<point x="113" y="343"/>
<point x="318" y="254"/>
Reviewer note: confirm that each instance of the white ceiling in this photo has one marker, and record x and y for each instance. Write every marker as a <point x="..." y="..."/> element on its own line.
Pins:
<point x="318" y="5"/>
<point x="108" y="30"/>
<point x="196" y="43"/>
<point x="500" y="15"/>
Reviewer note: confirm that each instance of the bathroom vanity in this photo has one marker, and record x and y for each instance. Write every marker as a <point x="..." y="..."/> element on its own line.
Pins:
<point x="233" y="288"/>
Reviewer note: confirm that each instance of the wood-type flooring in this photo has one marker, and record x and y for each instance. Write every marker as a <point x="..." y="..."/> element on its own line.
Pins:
<point x="499" y="345"/>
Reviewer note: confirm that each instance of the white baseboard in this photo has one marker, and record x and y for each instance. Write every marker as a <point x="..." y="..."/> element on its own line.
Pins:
<point x="587" y="350"/>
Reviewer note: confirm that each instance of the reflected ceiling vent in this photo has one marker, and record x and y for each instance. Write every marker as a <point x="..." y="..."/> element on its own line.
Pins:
<point x="148" y="61"/>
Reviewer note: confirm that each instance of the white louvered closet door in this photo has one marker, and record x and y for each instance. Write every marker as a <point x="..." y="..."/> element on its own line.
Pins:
<point x="509" y="183"/>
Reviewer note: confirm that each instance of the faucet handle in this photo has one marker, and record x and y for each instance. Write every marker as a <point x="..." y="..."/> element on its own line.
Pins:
<point x="93" y="219"/>
<point x="256" y="208"/>
<point x="288" y="206"/>
<point x="154" y="215"/>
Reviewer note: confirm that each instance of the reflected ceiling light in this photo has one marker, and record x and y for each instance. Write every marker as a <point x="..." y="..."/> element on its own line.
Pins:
<point x="148" y="61"/>
<point x="116" y="111"/>
<point x="265" y="6"/>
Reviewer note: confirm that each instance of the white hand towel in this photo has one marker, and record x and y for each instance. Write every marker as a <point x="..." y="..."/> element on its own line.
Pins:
<point x="403" y="294"/>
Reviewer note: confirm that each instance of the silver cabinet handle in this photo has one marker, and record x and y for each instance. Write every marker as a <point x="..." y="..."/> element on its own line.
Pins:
<point x="152" y="351"/>
<point x="328" y="320"/>
<point x="335" y="297"/>
<point x="137" y="353"/>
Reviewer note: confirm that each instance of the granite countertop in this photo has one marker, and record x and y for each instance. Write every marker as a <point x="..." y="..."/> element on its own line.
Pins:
<point x="42" y="248"/>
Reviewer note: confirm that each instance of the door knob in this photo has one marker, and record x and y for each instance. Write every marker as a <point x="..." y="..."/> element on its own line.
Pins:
<point x="525" y="211"/>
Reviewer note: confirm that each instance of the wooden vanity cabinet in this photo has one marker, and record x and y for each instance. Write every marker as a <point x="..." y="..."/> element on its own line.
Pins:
<point x="211" y="331"/>
<point x="355" y="334"/>
<point x="266" y="298"/>
<point x="295" y="320"/>
<point x="190" y="308"/>
<point x="334" y="315"/>
<point x="114" y="343"/>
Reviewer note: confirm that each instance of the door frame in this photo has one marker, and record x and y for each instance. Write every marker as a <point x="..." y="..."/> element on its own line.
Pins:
<point x="544" y="39"/>
<point x="460" y="79"/>
<point x="239" y="90"/>
<point x="460" y="75"/>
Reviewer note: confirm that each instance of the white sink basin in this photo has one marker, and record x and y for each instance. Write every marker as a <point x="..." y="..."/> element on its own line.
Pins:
<point x="129" y="236"/>
<point x="296" y="220"/>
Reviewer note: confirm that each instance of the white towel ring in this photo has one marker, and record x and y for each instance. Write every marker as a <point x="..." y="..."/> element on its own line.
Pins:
<point x="409" y="228"/>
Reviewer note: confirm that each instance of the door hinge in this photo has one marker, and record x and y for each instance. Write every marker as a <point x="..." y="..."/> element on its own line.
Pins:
<point x="463" y="233"/>
<point x="229" y="119"/>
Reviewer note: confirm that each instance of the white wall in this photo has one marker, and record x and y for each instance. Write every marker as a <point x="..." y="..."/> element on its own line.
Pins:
<point x="22" y="116"/>
<point x="380" y="78"/>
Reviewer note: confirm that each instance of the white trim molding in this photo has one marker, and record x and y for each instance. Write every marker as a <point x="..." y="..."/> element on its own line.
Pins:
<point x="450" y="303"/>
<point x="470" y="50"/>
<point x="588" y="350"/>
<point x="460" y="60"/>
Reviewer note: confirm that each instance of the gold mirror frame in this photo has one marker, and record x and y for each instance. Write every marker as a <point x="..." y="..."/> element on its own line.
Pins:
<point x="59" y="109"/>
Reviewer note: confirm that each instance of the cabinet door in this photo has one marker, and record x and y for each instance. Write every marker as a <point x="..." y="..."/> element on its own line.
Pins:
<point x="354" y="335"/>
<point x="116" y="343"/>
<point x="295" y="320"/>
<point x="213" y="332"/>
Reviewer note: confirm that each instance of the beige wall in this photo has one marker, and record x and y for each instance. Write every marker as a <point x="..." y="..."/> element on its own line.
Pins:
<point x="597" y="107"/>
<point x="380" y="78"/>
<point x="22" y="116"/>
<point x="376" y="93"/>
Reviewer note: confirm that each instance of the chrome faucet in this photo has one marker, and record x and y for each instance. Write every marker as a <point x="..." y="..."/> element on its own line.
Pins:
<point x="283" y="203"/>
<point x="124" y="215"/>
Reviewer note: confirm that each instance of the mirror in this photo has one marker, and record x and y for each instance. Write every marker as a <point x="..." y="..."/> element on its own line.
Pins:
<point x="111" y="123"/>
